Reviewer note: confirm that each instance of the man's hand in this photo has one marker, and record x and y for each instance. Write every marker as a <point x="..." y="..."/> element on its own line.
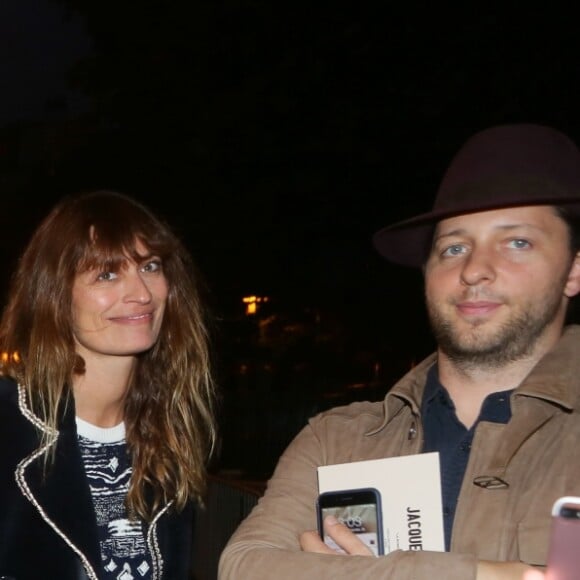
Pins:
<point x="310" y="541"/>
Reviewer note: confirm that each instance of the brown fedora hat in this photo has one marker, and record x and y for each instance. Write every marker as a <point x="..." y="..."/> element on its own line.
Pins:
<point x="504" y="166"/>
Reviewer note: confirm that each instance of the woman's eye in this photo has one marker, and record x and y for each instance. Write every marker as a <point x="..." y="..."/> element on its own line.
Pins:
<point x="454" y="250"/>
<point x="106" y="276"/>
<point x="152" y="266"/>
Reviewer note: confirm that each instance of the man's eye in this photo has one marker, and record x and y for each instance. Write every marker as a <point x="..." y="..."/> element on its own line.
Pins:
<point x="519" y="243"/>
<point x="106" y="276"/>
<point x="454" y="250"/>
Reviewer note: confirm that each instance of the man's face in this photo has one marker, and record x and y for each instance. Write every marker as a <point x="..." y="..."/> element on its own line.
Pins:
<point x="497" y="284"/>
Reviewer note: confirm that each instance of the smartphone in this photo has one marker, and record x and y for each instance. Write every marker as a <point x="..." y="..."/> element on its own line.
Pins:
<point x="564" y="550"/>
<point x="359" y="510"/>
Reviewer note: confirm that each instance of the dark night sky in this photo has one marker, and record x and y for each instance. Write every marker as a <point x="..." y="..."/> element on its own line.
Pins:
<point x="308" y="127"/>
<point x="40" y="42"/>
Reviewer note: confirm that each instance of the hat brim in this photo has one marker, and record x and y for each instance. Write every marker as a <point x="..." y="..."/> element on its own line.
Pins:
<point x="408" y="242"/>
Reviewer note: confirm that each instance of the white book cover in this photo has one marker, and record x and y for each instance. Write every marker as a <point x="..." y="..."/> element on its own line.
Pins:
<point x="410" y="488"/>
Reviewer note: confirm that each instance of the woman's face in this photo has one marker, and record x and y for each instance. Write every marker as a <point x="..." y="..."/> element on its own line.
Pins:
<point x="119" y="313"/>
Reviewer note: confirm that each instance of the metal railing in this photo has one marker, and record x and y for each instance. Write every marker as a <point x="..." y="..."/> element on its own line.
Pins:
<point x="228" y="502"/>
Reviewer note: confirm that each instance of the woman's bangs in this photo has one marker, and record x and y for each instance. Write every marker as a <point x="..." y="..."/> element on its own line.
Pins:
<point x="108" y="249"/>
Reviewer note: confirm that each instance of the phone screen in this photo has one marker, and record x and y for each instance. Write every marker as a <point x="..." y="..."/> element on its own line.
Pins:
<point x="359" y="510"/>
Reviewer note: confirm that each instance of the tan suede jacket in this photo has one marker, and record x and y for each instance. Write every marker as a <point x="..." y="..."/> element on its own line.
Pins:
<point x="536" y="454"/>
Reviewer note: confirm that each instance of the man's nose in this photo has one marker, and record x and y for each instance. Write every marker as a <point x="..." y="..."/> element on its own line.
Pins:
<point x="478" y="267"/>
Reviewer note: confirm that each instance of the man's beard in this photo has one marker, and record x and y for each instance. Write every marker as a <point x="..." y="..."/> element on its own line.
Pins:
<point x="513" y="340"/>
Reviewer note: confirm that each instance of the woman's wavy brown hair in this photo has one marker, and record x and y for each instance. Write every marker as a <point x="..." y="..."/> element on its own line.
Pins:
<point x="170" y="405"/>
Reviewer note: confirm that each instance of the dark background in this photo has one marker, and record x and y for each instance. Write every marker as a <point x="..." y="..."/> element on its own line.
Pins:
<point x="276" y="137"/>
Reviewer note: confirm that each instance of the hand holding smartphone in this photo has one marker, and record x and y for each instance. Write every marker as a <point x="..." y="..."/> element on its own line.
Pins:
<point x="359" y="510"/>
<point x="564" y="550"/>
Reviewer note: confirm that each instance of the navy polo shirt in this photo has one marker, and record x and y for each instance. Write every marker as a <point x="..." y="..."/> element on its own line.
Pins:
<point x="447" y="435"/>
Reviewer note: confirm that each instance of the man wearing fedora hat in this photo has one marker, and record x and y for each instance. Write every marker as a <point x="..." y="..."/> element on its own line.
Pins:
<point x="499" y="399"/>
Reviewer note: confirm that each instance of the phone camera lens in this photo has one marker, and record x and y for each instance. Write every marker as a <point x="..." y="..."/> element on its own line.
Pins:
<point x="570" y="513"/>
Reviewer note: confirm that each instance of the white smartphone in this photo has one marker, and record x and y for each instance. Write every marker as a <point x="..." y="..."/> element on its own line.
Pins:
<point x="564" y="550"/>
<point x="358" y="509"/>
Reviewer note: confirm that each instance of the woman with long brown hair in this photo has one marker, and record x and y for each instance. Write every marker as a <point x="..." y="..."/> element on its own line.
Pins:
<point x="106" y="397"/>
